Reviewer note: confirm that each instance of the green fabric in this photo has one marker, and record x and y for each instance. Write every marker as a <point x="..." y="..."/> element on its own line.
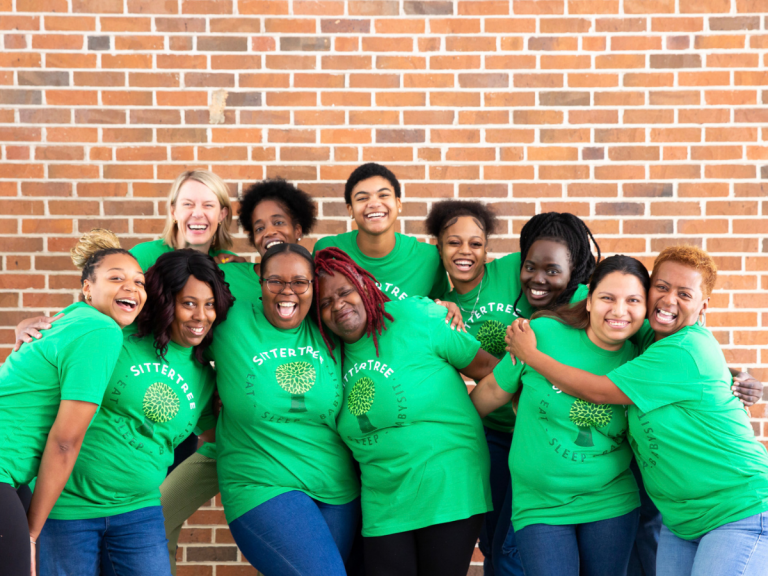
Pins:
<point x="208" y="450"/>
<point x="569" y="458"/>
<point x="487" y="310"/>
<point x="149" y="407"/>
<point x="413" y="268"/>
<point x="147" y="253"/>
<point x="696" y="449"/>
<point x="281" y="393"/>
<point x="410" y="423"/>
<point x="73" y="360"/>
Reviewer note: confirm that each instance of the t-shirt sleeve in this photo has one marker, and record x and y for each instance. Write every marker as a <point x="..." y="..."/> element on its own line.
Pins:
<point x="508" y="376"/>
<point x="664" y="374"/>
<point x="454" y="346"/>
<point x="207" y="419"/>
<point x="644" y="337"/>
<point x="86" y="364"/>
<point x="440" y="286"/>
<point x="320" y="244"/>
<point x="142" y="255"/>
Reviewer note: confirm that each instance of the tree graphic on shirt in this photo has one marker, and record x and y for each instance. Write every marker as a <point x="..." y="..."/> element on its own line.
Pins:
<point x="296" y="378"/>
<point x="586" y="416"/>
<point x="160" y="404"/>
<point x="360" y="402"/>
<point x="491" y="337"/>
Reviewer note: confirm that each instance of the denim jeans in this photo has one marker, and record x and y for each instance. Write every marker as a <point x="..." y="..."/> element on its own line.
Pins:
<point x="500" y="559"/>
<point x="294" y="535"/>
<point x="591" y="549"/>
<point x="642" y="561"/>
<point x="129" y="544"/>
<point x="735" y="549"/>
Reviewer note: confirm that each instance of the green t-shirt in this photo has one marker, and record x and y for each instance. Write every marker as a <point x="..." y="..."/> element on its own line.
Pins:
<point x="487" y="310"/>
<point x="695" y="447"/>
<point x="276" y="433"/>
<point x="72" y="361"/>
<point x="410" y="423"/>
<point x="413" y="268"/>
<point x="569" y="458"/>
<point x="149" y="407"/>
<point x="147" y="253"/>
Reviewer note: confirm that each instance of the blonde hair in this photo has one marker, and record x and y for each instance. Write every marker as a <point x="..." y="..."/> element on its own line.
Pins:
<point x="222" y="239"/>
<point x="90" y="243"/>
<point x="693" y="257"/>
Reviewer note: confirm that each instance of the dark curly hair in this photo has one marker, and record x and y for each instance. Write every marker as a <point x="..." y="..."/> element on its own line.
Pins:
<point x="569" y="230"/>
<point x="299" y="205"/>
<point x="164" y="281"/>
<point x="286" y="248"/>
<point x="366" y="171"/>
<point x="444" y="214"/>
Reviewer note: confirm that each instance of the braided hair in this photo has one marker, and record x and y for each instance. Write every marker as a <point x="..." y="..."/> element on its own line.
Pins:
<point x="569" y="230"/>
<point x="332" y="260"/>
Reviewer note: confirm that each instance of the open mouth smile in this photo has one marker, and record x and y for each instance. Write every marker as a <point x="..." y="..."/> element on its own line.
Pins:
<point x="127" y="304"/>
<point x="271" y="243"/>
<point x="538" y="294"/>
<point x="463" y="265"/>
<point x="286" y="310"/>
<point x="618" y="324"/>
<point x="376" y="216"/>
<point x="664" y="317"/>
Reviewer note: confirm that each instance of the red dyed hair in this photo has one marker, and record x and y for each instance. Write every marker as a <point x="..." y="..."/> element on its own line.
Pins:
<point x="332" y="260"/>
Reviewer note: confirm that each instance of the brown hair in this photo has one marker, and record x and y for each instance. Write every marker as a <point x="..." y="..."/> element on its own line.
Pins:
<point x="693" y="257"/>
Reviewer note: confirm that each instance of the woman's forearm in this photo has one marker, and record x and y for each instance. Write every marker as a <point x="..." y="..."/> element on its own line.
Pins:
<point x="577" y="382"/>
<point x="481" y="366"/>
<point x="488" y="396"/>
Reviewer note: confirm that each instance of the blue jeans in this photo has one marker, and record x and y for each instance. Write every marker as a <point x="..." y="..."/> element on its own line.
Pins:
<point x="294" y="535"/>
<point x="129" y="544"/>
<point x="642" y="561"/>
<point x="735" y="549"/>
<point x="506" y="556"/>
<point x="591" y="549"/>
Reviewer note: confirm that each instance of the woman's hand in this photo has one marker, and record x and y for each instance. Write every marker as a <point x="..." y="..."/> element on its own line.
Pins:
<point x="454" y="315"/>
<point x="520" y="339"/>
<point x="747" y="388"/>
<point x="224" y="258"/>
<point x="28" y="330"/>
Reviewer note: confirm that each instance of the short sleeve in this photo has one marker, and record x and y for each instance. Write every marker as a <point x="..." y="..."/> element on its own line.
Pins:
<point x="664" y="374"/>
<point x="508" y="376"/>
<point x="86" y="364"/>
<point x="320" y="244"/>
<point x="456" y="347"/>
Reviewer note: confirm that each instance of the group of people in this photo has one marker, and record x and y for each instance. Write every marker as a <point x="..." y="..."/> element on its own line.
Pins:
<point x="327" y="390"/>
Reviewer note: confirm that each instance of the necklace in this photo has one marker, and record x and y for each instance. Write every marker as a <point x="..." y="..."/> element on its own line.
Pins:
<point x="480" y="291"/>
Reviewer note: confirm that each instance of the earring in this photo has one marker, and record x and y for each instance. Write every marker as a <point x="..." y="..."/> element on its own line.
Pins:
<point x="89" y="298"/>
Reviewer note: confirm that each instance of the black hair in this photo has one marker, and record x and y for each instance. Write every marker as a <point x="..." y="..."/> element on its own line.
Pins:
<point x="164" y="281"/>
<point x="444" y="214"/>
<point x="577" y="316"/>
<point x="299" y="205"/>
<point x="366" y="171"/>
<point x="92" y="248"/>
<point x="90" y="266"/>
<point x="566" y="229"/>
<point x="286" y="248"/>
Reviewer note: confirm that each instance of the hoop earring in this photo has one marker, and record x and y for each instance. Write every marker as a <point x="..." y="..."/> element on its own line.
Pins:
<point x="89" y="298"/>
<point x="702" y="319"/>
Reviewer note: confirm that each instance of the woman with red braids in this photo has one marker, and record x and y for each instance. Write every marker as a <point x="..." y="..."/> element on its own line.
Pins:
<point x="408" y="420"/>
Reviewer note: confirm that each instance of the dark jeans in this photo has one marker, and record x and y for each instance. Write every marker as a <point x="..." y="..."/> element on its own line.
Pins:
<point x="183" y="451"/>
<point x="437" y="550"/>
<point x="14" y="534"/>
<point x="133" y="543"/>
<point x="642" y="561"/>
<point x="592" y="549"/>
<point x="294" y="535"/>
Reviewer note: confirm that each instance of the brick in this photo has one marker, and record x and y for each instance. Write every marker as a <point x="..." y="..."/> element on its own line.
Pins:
<point x="299" y="43"/>
<point x="675" y="61"/>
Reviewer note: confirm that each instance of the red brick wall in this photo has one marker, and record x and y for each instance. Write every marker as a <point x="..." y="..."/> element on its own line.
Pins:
<point x="645" y="117"/>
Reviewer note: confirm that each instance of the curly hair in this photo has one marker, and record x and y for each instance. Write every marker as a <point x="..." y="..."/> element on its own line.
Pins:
<point x="299" y="205"/>
<point x="366" y="171"/>
<point x="693" y="257"/>
<point x="569" y="230"/>
<point x="328" y="262"/>
<point x="92" y="248"/>
<point x="444" y="214"/>
<point x="164" y="281"/>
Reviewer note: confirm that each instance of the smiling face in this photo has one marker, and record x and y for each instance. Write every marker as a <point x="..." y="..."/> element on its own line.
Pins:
<point x="287" y="309"/>
<point x="546" y="272"/>
<point x="676" y="299"/>
<point x="341" y="308"/>
<point x="374" y="206"/>
<point x="616" y="310"/>
<point x="272" y="225"/>
<point x="194" y="314"/>
<point x="117" y="288"/>
<point x="463" y="249"/>
<point x="198" y="213"/>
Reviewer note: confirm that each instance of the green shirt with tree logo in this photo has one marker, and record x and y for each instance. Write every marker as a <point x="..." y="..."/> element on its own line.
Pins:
<point x="149" y="407"/>
<point x="281" y="394"/>
<point x="569" y="458"/>
<point x="695" y="447"/>
<point x="147" y="253"/>
<point x="413" y="268"/>
<point x="73" y="360"/>
<point x="410" y="423"/>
